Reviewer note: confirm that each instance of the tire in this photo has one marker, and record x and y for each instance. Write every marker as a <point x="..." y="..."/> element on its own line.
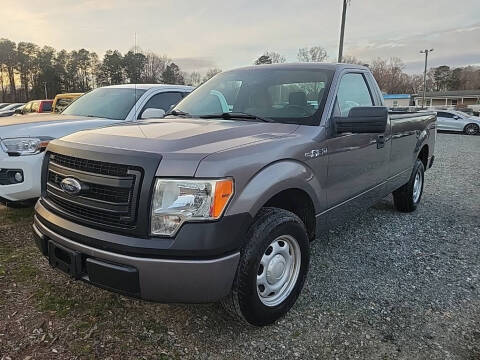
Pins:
<point x="471" y="129"/>
<point x="407" y="198"/>
<point x="248" y="301"/>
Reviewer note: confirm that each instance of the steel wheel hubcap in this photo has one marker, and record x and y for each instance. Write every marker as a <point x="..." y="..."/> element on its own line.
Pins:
<point x="278" y="270"/>
<point x="417" y="187"/>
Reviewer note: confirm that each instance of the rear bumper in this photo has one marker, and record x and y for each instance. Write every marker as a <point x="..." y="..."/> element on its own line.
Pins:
<point x="148" y="278"/>
<point x="31" y="167"/>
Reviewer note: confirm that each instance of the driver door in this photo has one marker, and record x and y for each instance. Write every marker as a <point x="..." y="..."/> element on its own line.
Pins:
<point x="357" y="162"/>
<point x="446" y="121"/>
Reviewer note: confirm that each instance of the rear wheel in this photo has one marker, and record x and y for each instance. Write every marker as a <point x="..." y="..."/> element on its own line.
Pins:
<point x="471" y="129"/>
<point x="272" y="268"/>
<point x="407" y="198"/>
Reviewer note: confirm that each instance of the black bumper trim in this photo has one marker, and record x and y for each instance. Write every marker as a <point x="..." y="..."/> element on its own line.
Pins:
<point x="193" y="241"/>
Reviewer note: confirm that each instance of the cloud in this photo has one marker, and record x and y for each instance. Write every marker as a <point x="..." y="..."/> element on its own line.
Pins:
<point x="211" y="33"/>
<point x="452" y="47"/>
<point x="195" y="64"/>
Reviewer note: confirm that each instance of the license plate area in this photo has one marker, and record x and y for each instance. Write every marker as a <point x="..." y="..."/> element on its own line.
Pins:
<point x="64" y="259"/>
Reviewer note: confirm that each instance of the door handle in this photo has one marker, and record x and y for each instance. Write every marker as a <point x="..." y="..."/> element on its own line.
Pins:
<point x="380" y="141"/>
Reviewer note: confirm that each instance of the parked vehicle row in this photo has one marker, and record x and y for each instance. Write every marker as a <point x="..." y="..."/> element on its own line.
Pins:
<point x="56" y="105"/>
<point x="24" y="139"/>
<point x="9" y="109"/>
<point x="61" y="101"/>
<point x="219" y="200"/>
<point x="452" y="120"/>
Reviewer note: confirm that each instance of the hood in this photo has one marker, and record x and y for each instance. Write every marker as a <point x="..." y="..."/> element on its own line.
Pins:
<point x="182" y="143"/>
<point x="195" y="136"/>
<point x="52" y="125"/>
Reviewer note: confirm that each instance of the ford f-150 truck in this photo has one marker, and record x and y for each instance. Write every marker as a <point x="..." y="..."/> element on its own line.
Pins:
<point x="219" y="200"/>
<point x="23" y="139"/>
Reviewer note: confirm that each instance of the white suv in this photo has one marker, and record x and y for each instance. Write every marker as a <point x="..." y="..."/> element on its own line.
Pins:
<point x="24" y="138"/>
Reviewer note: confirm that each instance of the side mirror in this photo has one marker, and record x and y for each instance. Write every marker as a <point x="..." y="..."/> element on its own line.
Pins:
<point x="367" y="119"/>
<point x="19" y="111"/>
<point x="456" y="117"/>
<point x="153" y="113"/>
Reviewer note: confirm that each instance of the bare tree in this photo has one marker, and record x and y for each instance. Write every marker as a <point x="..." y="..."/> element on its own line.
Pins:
<point x="154" y="67"/>
<point x="211" y="73"/>
<point x="194" y="78"/>
<point x="313" y="54"/>
<point x="270" y="57"/>
<point x="353" y="60"/>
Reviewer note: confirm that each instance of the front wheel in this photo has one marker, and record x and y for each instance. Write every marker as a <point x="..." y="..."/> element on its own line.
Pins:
<point x="407" y="198"/>
<point x="272" y="268"/>
<point x="471" y="129"/>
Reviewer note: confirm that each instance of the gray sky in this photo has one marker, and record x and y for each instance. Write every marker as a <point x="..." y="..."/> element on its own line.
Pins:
<point x="202" y="34"/>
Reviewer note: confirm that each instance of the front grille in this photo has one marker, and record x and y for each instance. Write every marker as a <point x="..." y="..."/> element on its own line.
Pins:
<point x="93" y="166"/>
<point x="100" y="192"/>
<point x="108" y="196"/>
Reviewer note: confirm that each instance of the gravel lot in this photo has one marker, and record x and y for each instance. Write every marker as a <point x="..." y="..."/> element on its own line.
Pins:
<point x="385" y="286"/>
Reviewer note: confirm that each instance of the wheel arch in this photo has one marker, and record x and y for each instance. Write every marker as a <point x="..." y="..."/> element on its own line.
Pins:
<point x="287" y="184"/>
<point x="423" y="155"/>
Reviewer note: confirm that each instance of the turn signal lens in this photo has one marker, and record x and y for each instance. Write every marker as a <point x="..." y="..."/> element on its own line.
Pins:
<point x="223" y="193"/>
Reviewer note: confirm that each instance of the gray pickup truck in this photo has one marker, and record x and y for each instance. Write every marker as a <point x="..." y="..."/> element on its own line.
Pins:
<point x="219" y="200"/>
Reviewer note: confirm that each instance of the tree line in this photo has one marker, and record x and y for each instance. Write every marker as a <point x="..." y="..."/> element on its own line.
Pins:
<point x="390" y="73"/>
<point x="28" y="71"/>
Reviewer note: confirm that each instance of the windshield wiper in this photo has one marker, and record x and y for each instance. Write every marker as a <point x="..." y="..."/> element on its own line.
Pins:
<point x="177" y="113"/>
<point x="235" y="115"/>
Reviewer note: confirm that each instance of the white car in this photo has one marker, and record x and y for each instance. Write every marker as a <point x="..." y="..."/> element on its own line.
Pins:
<point x="24" y="139"/>
<point x="452" y="120"/>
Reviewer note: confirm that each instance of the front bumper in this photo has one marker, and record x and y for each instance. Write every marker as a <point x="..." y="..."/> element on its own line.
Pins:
<point x="31" y="165"/>
<point x="151" y="277"/>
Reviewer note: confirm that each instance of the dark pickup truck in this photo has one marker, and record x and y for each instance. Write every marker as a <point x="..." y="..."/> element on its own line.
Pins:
<point x="219" y="200"/>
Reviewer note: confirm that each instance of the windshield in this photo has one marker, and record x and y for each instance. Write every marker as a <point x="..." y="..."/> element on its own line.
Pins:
<point x="286" y="95"/>
<point x="109" y="103"/>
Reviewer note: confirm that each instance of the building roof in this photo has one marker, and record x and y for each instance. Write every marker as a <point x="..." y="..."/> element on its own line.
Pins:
<point x="451" y="93"/>
<point x="396" y="96"/>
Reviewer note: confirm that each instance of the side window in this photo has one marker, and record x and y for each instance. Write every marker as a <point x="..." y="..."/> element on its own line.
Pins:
<point x="162" y="101"/>
<point x="352" y="92"/>
<point x="47" y="106"/>
<point x="445" y="115"/>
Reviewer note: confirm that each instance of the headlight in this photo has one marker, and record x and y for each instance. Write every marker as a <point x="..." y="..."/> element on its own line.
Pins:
<point x="24" y="146"/>
<point x="177" y="201"/>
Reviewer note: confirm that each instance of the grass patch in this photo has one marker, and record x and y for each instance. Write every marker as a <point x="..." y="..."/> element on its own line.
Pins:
<point x="15" y="262"/>
<point x="14" y="216"/>
<point x="52" y="298"/>
<point x="65" y="300"/>
<point x="83" y="350"/>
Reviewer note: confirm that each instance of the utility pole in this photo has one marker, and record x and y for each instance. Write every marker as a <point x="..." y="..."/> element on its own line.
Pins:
<point x="426" y="51"/>
<point x="342" y="30"/>
<point x="45" y="87"/>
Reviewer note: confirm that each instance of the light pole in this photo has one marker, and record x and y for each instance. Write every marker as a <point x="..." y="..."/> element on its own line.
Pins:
<point x="426" y="51"/>
<point x="342" y="30"/>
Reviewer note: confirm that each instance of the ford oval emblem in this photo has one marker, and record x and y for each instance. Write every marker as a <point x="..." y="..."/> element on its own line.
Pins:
<point x="71" y="186"/>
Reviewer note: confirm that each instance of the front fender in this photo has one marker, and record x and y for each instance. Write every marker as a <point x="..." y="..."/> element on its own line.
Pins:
<point x="272" y="179"/>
